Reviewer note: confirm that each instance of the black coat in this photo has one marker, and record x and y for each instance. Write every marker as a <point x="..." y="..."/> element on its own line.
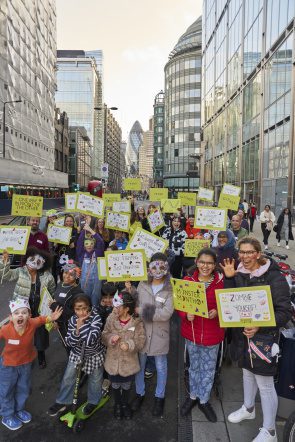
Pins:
<point x="282" y="308"/>
<point x="280" y="223"/>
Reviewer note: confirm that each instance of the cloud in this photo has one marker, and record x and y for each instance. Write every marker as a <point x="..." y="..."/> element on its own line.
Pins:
<point x="149" y="53"/>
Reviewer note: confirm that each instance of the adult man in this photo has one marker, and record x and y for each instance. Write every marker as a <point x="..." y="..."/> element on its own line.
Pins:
<point x="37" y="237"/>
<point x="244" y="222"/>
<point x="236" y="228"/>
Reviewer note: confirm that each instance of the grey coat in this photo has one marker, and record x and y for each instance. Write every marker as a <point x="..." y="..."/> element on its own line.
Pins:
<point x="156" y="311"/>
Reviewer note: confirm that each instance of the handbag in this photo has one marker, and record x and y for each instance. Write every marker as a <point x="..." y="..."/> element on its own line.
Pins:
<point x="261" y="353"/>
<point x="275" y="228"/>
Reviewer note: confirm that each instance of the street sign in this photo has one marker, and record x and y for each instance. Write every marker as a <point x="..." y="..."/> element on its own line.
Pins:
<point x="105" y="170"/>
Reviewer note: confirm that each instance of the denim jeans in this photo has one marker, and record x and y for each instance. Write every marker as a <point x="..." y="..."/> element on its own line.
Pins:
<point x="161" y="367"/>
<point x="66" y="391"/>
<point x="150" y="365"/>
<point x="202" y="369"/>
<point x="90" y="284"/>
<point x="15" y="384"/>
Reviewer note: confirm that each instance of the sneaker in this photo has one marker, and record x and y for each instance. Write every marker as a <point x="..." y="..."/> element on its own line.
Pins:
<point x="158" y="407"/>
<point x="148" y="374"/>
<point x="12" y="422"/>
<point x="265" y="247"/>
<point x="265" y="436"/>
<point x="136" y="403"/>
<point x="279" y="244"/>
<point x="187" y="406"/>
<point x="287" y="247"/>
<point x="208" y="411"/>
<point x="24" y="416"/>
<point x="55" y="409"/>
<point x="89" y="408"/>
<point x="240" y="415"/>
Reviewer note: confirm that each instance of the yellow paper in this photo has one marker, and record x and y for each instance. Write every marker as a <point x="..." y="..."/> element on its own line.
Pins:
<point x="205" y="194"/>
<point x="101" y="269"/>
<point x="170" y="205"/>
<point x="210" y="218"/>
<point x="158" y="193"/>
<point x="117" y="221"/>
<point x="89" y="205"/>
<point x="190" y="297"/>
<point x="126" y="265"/>
<point x="193" y="246"/>
<point x="187" y="198"/>
<point x="25" y="205"/>
<point x="14" y="239"/>
<point x="59" y="234"/>
<point x="244" y="307"/>
<point x="229" y="197"/>
<point x="70" y="201"/>
<point x="150" y="243"/>
<point x="110" y="198"/>
<point x="132" y="184"/>
<point x="156" y="220"/>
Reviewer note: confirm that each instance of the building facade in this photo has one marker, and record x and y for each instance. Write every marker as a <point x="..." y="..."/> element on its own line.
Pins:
<point x="133" y="145"/>
<point x="123" y="159"/>
<point x="80" y="158"/>
<point x="27" y="75"/>
<point x="183" y="111"/>
<point x="146" y="157"/>
<point x="248" y="98"/>
<point x="61" y="141"/>
<point x="112" y="150"/>
<point x="159" y="108"/>
<point x="79" y="93"/>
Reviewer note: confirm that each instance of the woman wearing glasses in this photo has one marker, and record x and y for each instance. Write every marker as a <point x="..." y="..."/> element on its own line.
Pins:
<point x="258" y="371"/>
<point x="203" y="336"/>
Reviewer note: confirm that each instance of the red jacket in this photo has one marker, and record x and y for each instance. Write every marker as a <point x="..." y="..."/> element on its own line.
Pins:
<point x="191" y="231"/>
<point x="206" y="331"/>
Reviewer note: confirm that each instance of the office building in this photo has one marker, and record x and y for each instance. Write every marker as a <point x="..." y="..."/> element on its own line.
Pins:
<point x="79" y="92"/>
<point x="248" y="98"/>
<point x="112" y="150"/>
<point x="159" y="107"/>
<point x="61" y="141"/>
<point x="123" y="159"/>
<point x="80" y="158"/>
<point x="146" y="157"/>
<point x="133" y="145"/>
<point x="27" y="75"/>
<point x="183" y="111"/>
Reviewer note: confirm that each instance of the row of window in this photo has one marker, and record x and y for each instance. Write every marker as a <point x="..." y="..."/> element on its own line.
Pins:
<point x="25" y="138"/>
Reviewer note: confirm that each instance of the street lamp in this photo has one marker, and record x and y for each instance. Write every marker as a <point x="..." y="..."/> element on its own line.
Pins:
<point x="4" y="123"/>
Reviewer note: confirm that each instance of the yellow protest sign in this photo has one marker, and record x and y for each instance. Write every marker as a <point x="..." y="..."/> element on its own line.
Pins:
<point x="101" y="268"/>
<point x="229" y="197"/>
<point x="26" y="205"/>
<point x="110" y="198"/>
<point x="187" y="198"/>
<point x="247" y="306"/>
<point x="132" y="184"/>
<point x="158" y="193"/>
<point x="89" y="205"/>
<point x="70" y="201"/>
<point x="170" y="205"/>
<point x="14" y="239"/>
<point x="126" y="265"/>
<point x="210" y="218"/>
<point x="150" y="243"/>
<point x="190" y="297"/>
<point x="193" y="246"/>
<point x="205" y="194"/>
<point x="155" y="220"/>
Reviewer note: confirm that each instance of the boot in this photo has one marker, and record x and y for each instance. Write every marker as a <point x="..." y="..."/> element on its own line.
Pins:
<point x="187" y="406"/>
<point x="158" y="407"/>
<point x="208" y="411"/>
<point x="41" y="359"/>
<point x="126" y="410"/>
<point x="118" y="403"/>
<point x="136" y="403"/>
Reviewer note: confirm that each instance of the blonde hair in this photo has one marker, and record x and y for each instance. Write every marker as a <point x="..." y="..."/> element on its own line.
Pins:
<point x="255" y="244"/>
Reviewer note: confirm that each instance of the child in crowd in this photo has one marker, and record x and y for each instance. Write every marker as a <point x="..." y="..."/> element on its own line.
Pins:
<point x="155" y="302"/>
<point x="108" y="291"/>
<point x="84" y="326"/>
<point x="16" y="361"/>
<point x="124" y="337"/>
<point x="120" y="241"/>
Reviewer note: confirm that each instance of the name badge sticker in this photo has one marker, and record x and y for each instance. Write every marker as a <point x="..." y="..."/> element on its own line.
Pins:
<point x="159" y="299"/>
<point x="39" y="241"/>
<point x="62" y="295"/>
<point x="131" y="328"/>
<point x="13" y="341"/>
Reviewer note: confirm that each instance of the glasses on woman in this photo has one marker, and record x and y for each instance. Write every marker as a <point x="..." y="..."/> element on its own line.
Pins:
<point x="247" y="252"/>
<point x="206" y="263"/>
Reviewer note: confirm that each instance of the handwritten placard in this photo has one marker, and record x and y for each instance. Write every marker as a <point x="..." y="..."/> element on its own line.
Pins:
<point x="90" y="205"/>
<point x="205" y="194"/>
<point x="187" y="198"/>
<point x="59" y="221"/>
<point x="45" y="300"/>
<point x="101" y="268"/>
<point x="109" y="198"/>
<point x="247" y="306"/>
<point x="170" y="205"/>
<point x="132" y="184"/>
<point x="126" y="265"/>
<point x="25" y="205"/>
<point x="156" y="220"/>
<point x="59" y="234"/>
<point x="150" y="243"/>
<point x="117" y="221"/>
<point x="122" y="206"/>
<point x="193" y="246"/>
<point x="70" y="201"/>
<point x="190" y="297"/>
<point x="158" y="193"/>
<point x="210" y="218"/>
<point x="229" y="197"/>
<point x="14" y="239"/>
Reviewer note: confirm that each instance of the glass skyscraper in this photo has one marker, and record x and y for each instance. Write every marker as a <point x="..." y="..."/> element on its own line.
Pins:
<point x="134" y="143"/>
<point x="247" y="90"/>
<point x="183" y="110"/>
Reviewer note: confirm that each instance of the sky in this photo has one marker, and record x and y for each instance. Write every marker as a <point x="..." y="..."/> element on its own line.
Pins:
<point x="136" y="37"/>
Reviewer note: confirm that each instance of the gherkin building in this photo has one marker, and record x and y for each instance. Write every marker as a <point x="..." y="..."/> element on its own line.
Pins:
<point x="135" y="139"/>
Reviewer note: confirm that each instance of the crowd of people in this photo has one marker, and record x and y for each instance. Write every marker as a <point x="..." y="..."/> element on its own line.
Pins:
<point x="124" y="328"/>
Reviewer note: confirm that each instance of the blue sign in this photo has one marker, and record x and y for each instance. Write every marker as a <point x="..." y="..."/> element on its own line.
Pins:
<point x="4" y="188"/>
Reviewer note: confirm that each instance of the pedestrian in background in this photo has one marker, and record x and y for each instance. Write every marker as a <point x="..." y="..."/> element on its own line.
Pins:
<point x="252" y="212"/>
<point x="267" y="219"/>
<point x="284" y="227"/>
<point x="176" y="237"/>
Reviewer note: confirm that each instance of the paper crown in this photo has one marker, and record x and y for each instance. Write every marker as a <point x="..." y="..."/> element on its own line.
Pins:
<point x="18" y="303"/>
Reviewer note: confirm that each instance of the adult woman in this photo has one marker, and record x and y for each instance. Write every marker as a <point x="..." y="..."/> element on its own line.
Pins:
<point x="30" y="281"/>
<point x="141" y="213"/>
<point x="64" y="253"/>
<point x="255" y="270"/>
<point x="203" y="336"/>
<point x="176" y="237"/>
<point x="267" y="219"/>
<point x="284" y="227"/>
<point x="252" y="211"/>
<point x="103" y="232"/>
<point x="226" y="247"/>
<point x="134" y="223"/>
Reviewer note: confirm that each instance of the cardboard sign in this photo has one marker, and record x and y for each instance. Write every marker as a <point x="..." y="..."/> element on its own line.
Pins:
<point x="229" y="197"/>
<point x="51" y="212"/>
<point x="25" y="205"/>
<point x="156" y="221"/>
<point x="210" y="218"/>
<point x="90" y="205"/>
<point x="109" y="198"/>
<point x="205" y="194"/>
<point x="101" y="269"/>
<point x="122" y="206"/>
<point x="60" y="221"/>
<point x="193" y="246"/>
<point x="150" y="243"/>
<point x="247" y="306"/>
<point x="132" y="184"/>
<point x="70" y="201"/>
<point x="45" y="299"/>
<point x="170" y="205"/>
<point x="190" y="297"/>
<point x="117" y="221"/>
<point x="59" y="234"/>
<point x="14" y="239"/>
<point x="125" y="265"/>
<point x="158" y="194"/>
<point x="187" y="198"/>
